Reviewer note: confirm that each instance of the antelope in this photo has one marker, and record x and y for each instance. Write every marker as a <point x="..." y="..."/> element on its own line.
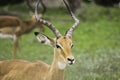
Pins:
<point x="24" y="70"/>
<point x="13" y="27"/>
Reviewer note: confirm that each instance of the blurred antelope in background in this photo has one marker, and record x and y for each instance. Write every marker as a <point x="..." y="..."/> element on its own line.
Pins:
<point x="13" y="27"/>
<point x="23" y="70"/>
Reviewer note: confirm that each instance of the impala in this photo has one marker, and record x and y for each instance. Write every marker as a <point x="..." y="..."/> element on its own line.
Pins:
<point x="13" y="27"/>
<point x="23" y="70"/>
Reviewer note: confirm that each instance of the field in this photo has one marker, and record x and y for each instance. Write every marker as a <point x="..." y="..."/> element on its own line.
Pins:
<point x="96" y="43"/>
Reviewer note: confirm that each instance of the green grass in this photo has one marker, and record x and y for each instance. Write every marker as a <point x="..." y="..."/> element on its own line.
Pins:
<point x="96" y="45"/>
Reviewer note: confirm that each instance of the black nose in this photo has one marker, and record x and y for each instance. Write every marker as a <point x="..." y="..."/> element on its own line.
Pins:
<point x="70" y="61"/>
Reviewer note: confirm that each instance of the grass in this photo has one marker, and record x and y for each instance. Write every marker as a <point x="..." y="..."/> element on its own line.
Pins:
<point x="96" y="45"/>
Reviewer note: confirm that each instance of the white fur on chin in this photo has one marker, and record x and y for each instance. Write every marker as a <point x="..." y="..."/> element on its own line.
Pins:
<point x="61" y="65"/>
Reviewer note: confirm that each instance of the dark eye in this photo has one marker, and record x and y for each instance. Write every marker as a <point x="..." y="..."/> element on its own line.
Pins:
<point x="72" y="45"/>
<point x="57" y="46"/>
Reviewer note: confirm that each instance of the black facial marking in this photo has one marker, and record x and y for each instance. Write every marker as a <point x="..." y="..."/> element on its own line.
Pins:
<point x="57" y="46"/>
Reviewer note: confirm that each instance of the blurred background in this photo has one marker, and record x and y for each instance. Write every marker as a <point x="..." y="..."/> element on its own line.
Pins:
<point x="96" y="40"/>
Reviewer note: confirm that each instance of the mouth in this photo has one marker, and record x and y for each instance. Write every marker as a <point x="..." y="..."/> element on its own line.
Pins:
<point x="70" y="63"/>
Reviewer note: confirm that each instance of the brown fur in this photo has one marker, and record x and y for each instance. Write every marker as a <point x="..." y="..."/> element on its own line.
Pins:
<point x="9" y="21"/>
<point x="15" y="27"/>
<point x="23" y="70"/>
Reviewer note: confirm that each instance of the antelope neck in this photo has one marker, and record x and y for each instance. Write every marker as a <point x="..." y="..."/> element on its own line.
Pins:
<point x="57" y="68"/>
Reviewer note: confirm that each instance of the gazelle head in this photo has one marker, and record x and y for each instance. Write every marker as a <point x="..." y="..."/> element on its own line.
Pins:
<point x="62" y="44"/>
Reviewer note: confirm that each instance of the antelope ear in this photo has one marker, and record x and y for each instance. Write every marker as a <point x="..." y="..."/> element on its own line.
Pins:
<point x="44" y="39"/>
